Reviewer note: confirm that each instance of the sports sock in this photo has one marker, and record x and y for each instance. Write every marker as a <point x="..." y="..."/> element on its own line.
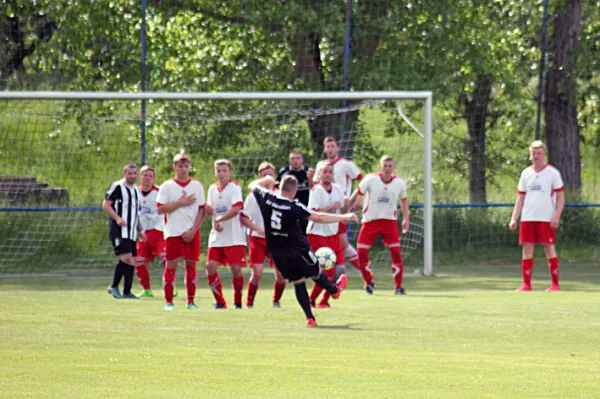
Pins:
<point x="143" y="275"/>
<point x="169" y="283"/>
<point x="527" y="270"/>
<point x="128" y="272"/>
<point x="351" y="254"/>
<point x="554" y="268"/>
<point x="365" y="265"/>
<point x="216" y="286"/>
<point x="118" y="274"/>
<point x="315" y="292"/>
<point x="252" y="288"/>
<point x="302" y="297"/>
<point x="238" y="287"/>
<point x="397" y="266"/>
<point x="191" y="282"/>
<point x="323" y="281"/>
<point x="278" y="290"/>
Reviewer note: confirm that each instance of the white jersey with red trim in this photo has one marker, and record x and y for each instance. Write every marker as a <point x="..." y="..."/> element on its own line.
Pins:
<point x="222" y="200"/>
<point x="319" y="199"/>
<point x="382" y="199"/>
<point x="149" y="217"/>
<point x="181" y="219"/>
<point x="539" y="189"/>
<point x="252" y="211"/>
<point x="344" y="172"/>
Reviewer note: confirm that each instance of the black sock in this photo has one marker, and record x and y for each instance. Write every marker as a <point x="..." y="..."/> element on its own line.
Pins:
<point x="118" y="274"/>
<point x="128" y="274"/>
<point x="303" y="300"/>
<point x="323" y="281"/>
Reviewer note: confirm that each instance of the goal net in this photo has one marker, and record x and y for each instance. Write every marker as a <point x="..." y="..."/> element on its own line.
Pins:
<point x="59" y="153"/>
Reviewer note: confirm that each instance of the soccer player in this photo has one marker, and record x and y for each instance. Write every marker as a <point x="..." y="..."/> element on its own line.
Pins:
<point x="303" y="174"/>
<point x="181" y="202"/>
<point x="122" y="205"/>
<point x="288" y="244"/>
<point x="540" y="202"/>
<point x="325" y="197"/>
<point x="227" y="240"/>
<point x="154" y="245"/>
<point x="379" y="218"/>
<point x="344" y="173"/>
<point x="258" y="246"/>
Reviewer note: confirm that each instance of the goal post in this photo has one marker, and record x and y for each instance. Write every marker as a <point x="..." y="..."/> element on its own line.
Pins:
<point x="356" y="101"/>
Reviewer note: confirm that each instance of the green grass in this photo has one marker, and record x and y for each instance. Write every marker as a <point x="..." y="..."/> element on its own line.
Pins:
<point x="463" y="334"/>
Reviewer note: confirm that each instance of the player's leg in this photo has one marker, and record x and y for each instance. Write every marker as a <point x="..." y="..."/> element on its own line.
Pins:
<point x="129" y="259"/>
<point x="527" y="238"/>
<point x="175" y="250"/>
<point x="144" y="256"/>
<point x="315" y="242"/>
<point x="120" y="267"/>
<point x="365" y="240"/>
<point x="216" y="257"/>
<point x="547" y="237"/>
<point x="191" y="283"/>
<point x="350" y="252"/>
<point x="335" y="245"/>
<point x="391" y="238"/>
<point x="256" y="254"/>
<point x="304" y="301"/>
<point x="235" y="256"/>
<point x="278" y="288"/>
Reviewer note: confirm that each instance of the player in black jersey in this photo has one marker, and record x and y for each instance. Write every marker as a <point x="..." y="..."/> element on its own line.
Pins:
<point x="287" y="242"/>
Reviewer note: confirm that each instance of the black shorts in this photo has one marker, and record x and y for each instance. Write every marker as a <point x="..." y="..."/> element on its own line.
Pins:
<point x="123" y="246"/>
<point x="295" y="265"/>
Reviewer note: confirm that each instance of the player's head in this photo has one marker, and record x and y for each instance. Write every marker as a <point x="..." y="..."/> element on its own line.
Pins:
<point x="182" y="165"/>
<point x="387" y="165"/>
<point x="130" y="172"/>
<point x="326" y="173"/>
<point x="223" y="170"/>
<point x="295" y="159"/>
<point x="537" y="152"/>
<point x="330" y="147"/>
<point x="266" y="168"/>
<point x="148" y="174"/>
<point x="289" y="186"/>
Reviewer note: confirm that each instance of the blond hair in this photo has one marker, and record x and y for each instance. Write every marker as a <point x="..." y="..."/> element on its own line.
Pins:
<point x="181" y="158"/>
<point x="264" y="166"/>
<point x="386" y="158"/>
<point x="537" y="144"/>
<point x="146" y="168"/>
<point x="221" y="162"/>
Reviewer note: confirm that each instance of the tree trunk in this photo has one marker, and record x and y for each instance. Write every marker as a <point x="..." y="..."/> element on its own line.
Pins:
<point x="562" y="130"/>
<point x="476" y="112"/>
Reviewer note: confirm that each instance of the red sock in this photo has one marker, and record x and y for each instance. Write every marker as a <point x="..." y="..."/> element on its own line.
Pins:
<point x="252" y="288"/>
<point x="238" y="287"/>
<point x="191" y="281"/>
<point x="143" y="275"/>
<point x="397" y="266"/>
<point x="355" y="262"/>
<point x="365" y="265"/>
<point x="314" y="294"/>
<point x="168" y="280"/>
<point x="554" y="269"/>
<point x="214" y="282"/>
<point x="278" y="291"/>
<point x="527" y="270"/>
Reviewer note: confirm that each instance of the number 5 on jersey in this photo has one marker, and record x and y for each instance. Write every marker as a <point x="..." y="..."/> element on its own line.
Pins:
<point x="276" y="220"/>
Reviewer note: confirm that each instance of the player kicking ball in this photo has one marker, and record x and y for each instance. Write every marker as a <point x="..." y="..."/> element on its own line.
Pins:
<point x="380" y="219"/>
<point x="288" y="244"/>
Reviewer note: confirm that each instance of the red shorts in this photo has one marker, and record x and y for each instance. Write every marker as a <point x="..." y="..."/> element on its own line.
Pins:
<point x="259" y="251"/>
<point x="387" y="229"/>
<point x="343" y="228"/>
<point x="177" y="248"/>
<point x="153" y="246"/>
<point x="332" y="242"/>
<point x="233" y="255"/>
<point x="534" y="232"/>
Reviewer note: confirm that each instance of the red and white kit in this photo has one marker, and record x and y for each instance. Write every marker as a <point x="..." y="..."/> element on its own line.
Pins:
<point x="182" y="219"/>
<point x="380" y="218"/>
<point x="258" y="245"/>
<point x="539" y="206"/>
<point x="229" y="245"/>
<point x="152" y="223"/>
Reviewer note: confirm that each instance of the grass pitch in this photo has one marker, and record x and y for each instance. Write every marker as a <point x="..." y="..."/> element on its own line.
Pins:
<point x="464" y="334"/>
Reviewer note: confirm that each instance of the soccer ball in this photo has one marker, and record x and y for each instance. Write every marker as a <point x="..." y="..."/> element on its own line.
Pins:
<point x="326" y="258"/>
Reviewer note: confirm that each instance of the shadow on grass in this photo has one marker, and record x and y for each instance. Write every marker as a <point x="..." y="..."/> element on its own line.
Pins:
<point x="342" y="327"/>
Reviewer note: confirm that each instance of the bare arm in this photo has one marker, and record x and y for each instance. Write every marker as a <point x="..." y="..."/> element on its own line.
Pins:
<point x="516" y="211"/>
<point x="310" y="175"/>
<point x="333" y="207"/>
<point x="560" y="205"/>
<point x="320" y="217"/>
<point x="230" y="214"/>
<point x="107" y="207"/>
<point x="405" y="214"/>
<point x="265" y="182"/>
<point x="189" y="234"/>
<point x="247" y="222"/>
<point x="353" y="198"/>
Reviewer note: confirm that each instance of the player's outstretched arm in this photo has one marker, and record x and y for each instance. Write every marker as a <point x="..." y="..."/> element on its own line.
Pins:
<point x="516" y="212"/>
<point x="320" y="217"/>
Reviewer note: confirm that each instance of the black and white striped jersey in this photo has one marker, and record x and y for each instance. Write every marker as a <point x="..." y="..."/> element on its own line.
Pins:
<point x="126" y="203"/>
